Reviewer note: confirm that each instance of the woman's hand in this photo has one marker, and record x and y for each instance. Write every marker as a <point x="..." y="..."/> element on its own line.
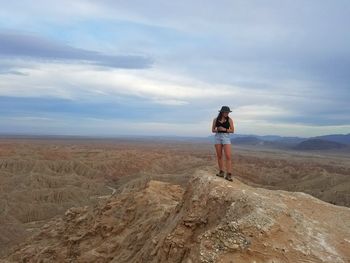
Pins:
<point x="220" y="128"/>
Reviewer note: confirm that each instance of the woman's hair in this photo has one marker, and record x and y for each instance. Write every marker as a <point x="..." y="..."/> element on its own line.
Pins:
<point x="219" y="116"/>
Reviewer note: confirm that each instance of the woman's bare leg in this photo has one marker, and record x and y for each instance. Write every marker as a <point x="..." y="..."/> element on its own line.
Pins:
<point x="218" y="148"/>
<point x="227" y="150"/>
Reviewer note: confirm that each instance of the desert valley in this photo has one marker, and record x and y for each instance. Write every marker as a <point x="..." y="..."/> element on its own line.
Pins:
<point x="121" y="200"/>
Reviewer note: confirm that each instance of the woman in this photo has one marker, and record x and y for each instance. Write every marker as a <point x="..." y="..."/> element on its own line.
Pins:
<point x="223" y="126"/>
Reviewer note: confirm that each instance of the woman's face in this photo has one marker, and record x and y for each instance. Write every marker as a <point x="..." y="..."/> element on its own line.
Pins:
<point x="225" y="114"/>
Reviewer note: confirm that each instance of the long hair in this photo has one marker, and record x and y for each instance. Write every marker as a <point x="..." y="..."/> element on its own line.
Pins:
<point x="219" y="116"/>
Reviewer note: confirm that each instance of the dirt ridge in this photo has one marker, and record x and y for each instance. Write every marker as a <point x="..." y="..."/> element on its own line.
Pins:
<point x="210" y="220"/>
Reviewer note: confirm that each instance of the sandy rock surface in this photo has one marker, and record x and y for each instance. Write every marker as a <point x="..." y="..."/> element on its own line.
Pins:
<point x="209" y="220"/>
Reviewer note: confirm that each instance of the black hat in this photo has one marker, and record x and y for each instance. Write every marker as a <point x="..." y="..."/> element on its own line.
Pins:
<point x="225" y="109"/>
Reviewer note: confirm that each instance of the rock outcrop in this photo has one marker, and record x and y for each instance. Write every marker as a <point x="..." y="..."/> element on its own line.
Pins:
<point x="211" y="220"/>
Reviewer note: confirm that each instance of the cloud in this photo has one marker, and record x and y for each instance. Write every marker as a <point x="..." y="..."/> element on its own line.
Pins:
<point x="280" y="67"/>
<point x="286" y="128"/>
<point x="257" y="111"/>
<point x="75" y="81"/>
<point x="35" y="47"/>
<point x="88" y="91"/>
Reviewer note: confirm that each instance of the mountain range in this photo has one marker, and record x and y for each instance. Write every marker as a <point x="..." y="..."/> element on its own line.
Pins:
<point x="325" y="142"/>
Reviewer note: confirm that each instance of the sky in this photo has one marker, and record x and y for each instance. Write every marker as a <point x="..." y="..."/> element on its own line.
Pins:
<point x="110" y="68"/>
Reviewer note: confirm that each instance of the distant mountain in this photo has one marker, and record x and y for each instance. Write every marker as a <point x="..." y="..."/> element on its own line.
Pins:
<point x="326" y="142"/>
<point x="340" y="138"/>
<point x="275" y="138"/>
<point x="274" y="141"/>
<point x="279" y="143"/>
<point x="271" y="138"/>
<point x="318" y="144"/>
<point x="249" y="140"/>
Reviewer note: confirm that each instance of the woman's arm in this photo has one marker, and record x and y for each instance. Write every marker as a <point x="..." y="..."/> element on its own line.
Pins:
<point x="232" y="128"/>
<point x="213" y="127"/>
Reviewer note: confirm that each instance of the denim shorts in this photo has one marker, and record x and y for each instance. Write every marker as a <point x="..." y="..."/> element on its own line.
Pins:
<point x="222" y="138"/>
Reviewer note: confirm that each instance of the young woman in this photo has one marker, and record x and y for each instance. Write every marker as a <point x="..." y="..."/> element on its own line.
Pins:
<point x="222" y="127"/>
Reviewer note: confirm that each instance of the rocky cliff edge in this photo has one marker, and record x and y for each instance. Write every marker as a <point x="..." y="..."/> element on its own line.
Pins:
<point x="211" y="220"/>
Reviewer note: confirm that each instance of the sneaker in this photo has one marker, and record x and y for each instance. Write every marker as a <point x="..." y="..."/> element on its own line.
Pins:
<point x="229" y="177"/>
<point x="221" y="174"/>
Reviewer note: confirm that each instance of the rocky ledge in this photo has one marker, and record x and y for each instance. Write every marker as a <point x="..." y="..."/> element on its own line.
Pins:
<point x="211" y="220"/>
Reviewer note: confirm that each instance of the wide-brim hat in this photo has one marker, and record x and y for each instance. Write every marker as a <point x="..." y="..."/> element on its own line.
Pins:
<point x="225" y="109"/>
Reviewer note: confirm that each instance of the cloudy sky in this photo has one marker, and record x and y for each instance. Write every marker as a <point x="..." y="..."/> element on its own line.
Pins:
<point x="166" y="67"/>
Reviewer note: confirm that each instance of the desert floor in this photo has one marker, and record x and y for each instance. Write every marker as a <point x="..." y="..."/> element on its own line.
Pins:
<point x="41" y="178"/>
